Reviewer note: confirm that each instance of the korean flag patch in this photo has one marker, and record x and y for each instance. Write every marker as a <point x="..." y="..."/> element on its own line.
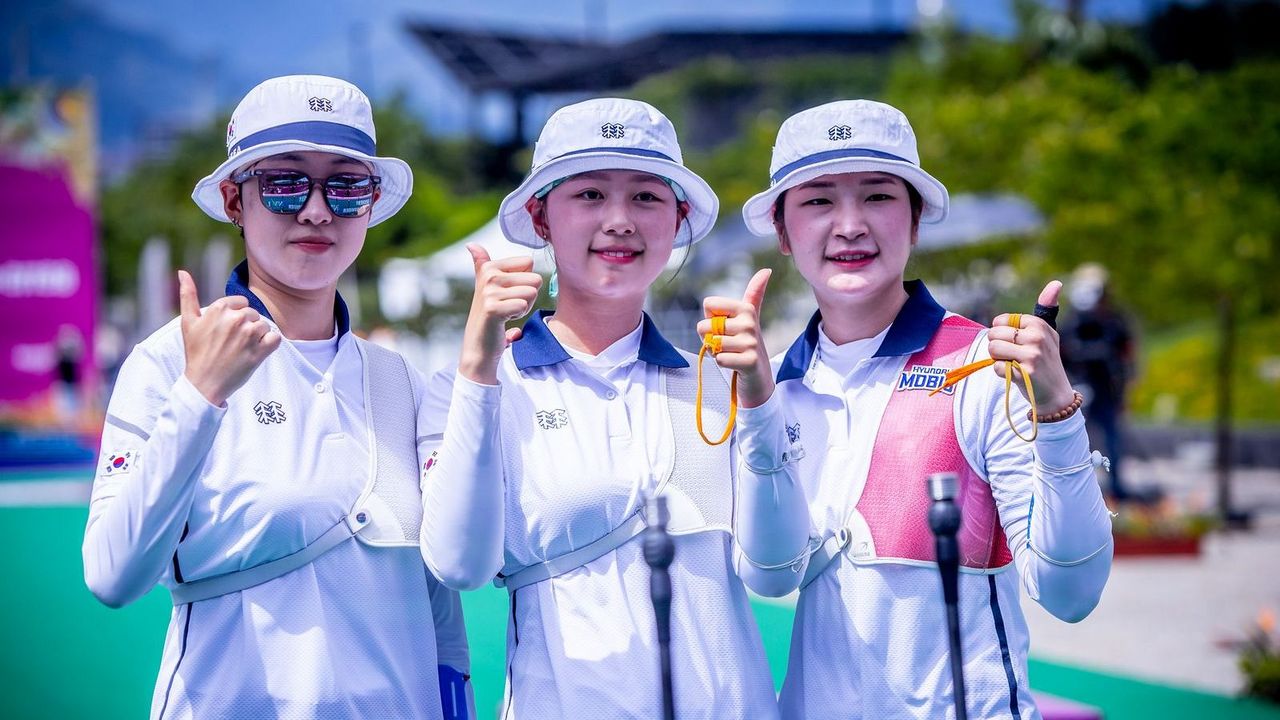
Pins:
<point x="117" y="463"/>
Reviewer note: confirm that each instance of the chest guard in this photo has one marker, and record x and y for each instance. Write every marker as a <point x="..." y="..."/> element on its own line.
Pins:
<point x="388" y="512"/>
<point x="699" y="487"/>
<point x="918" y="436"/>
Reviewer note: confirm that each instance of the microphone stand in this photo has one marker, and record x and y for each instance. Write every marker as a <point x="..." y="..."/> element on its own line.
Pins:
<point x="944" y="520"/>
<point x="659" y="551"/>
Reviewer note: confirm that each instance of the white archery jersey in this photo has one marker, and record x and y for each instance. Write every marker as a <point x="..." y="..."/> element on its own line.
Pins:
<point x="583" y="440"/>
<point x="186" y="491"/>
<point x="870" y="634"/>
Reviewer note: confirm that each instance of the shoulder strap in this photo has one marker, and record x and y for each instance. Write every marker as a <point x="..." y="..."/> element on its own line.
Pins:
<point x="630" y="528"/>
<point x="698" y="502"/>
<point x="824" y="555"/>
<point x="389" y="395"/>
<point x="211" y="587"/>
<point x="393" y="496"/>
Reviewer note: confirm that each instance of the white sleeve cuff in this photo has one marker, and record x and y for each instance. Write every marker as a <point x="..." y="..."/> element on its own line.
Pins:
<point x="186" y="398"/>
<point x="1063" y="444"/>
<point x="467" y="390"/>
<point x="761" y="436"/>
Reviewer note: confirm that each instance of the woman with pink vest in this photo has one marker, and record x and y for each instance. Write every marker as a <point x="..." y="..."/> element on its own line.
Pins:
<point x="869" y="419"/>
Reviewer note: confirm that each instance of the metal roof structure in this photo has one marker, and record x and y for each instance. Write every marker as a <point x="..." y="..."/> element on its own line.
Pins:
<point x="526" y="64"/>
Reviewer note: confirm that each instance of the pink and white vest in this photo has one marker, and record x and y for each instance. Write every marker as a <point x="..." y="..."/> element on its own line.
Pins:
<point x="918" y="437"/>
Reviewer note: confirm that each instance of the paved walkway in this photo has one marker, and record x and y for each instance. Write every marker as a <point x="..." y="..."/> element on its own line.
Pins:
<point x="1173" y="620"/>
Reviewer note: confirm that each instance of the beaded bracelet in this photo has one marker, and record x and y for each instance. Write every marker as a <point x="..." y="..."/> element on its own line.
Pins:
<point x="1062" y="414"/>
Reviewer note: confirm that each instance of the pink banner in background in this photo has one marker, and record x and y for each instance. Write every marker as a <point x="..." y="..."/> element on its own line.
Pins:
<point x="48" y="284"/>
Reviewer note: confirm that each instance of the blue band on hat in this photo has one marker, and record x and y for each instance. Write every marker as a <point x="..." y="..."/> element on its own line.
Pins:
<point x="675" y="187"/>
<point x="312" y="131"/>
<point x="834" y="155"/>
<point x="619" y="150"/>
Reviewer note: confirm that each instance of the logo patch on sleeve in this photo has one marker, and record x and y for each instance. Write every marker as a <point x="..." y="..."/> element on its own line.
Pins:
<point x="117" y="463"/>
<point x="924" y="377"/>
<point x="793" y="432"/>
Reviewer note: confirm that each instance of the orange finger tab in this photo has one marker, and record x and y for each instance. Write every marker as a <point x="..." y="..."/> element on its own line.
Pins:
<point x="961" y="373"/>
<point x="697" y="399"/>
<point x="717" y="325"/>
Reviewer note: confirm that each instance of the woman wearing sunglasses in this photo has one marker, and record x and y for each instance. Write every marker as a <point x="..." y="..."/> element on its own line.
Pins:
<point x="557" y="432"/>
<point x="868" y="392"/>
<point x="260" y="460"/>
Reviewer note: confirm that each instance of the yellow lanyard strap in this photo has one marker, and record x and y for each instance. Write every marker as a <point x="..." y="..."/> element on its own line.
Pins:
<point x="712" y="342"/>
<point x="965" y="371"/>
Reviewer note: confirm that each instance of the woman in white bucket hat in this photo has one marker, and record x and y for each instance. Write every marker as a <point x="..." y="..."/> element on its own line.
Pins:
<point x="260" y="461"/>
<point x="557" y="432"/>
<point x="872" y="411"/>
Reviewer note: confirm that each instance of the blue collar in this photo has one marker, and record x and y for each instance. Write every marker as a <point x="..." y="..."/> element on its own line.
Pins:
<point x="238" y="284"/>
<point x="910" y="332"/>
<point x="538" y="347"/>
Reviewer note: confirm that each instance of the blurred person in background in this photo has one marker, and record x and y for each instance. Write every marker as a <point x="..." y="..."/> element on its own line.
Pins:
<point x="69" y="388"/>
<point x="1098" y="347"/>
<point x="556" y="433"/>
<point x="260" y="461"/>
<point x="870" y="416"/>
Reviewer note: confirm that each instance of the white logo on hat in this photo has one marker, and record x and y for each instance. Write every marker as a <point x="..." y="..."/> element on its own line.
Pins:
<point x="613" y="131"/>
<point x="320" y="104"/>
<point x="840" y="132"/>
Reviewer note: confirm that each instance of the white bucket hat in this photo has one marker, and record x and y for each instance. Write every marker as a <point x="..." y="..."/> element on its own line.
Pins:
<point x="844" y="137"/>
<point x="301" y="113"/>
<point x="608" y="134"/>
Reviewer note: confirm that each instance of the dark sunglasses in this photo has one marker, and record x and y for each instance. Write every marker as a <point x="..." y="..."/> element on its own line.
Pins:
<point x="286" y="192"/>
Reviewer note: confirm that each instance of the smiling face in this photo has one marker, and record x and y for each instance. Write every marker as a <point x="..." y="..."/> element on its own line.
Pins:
<point x="612" y="231"/>
<point x="303" y="252"/>
<point x="850" y="235"/>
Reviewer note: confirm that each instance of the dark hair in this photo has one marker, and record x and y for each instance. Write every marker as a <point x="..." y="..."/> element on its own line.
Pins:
<point x="917" y="205"/>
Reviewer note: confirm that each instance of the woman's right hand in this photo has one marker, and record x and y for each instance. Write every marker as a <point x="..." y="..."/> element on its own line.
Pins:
<point x="505" y="289"/>
<point x="741" y="346"/>
<point x="224" y="342"/>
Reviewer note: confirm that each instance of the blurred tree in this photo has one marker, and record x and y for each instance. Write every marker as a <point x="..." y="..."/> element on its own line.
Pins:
<point x="1161" y="177"/>
<point x="1163" y="173"/>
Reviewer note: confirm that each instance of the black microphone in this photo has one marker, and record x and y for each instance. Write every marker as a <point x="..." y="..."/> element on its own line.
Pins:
<point x="944" y="520"/>
<point x="659" y="551"/>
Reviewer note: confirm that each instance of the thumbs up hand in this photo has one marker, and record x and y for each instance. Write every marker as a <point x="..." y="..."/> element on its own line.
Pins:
<point x="739" y="346"/>
<point x="224" y="342"/>
<point x="1036" y="348"/>
<point x="505" y="289"/>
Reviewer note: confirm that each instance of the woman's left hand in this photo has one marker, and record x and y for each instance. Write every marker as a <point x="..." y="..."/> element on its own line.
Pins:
<point x="1035" y="346"/>
<point x="741" y="344"/>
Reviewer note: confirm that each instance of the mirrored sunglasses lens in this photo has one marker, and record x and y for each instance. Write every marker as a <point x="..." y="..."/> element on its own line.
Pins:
<point x="284" y="193"/>
<point x="349" y="196"/>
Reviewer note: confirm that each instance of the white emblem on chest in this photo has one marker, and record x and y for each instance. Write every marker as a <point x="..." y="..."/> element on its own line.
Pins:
<point x="269" y="412"/>
<point x="551" y="419"/>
